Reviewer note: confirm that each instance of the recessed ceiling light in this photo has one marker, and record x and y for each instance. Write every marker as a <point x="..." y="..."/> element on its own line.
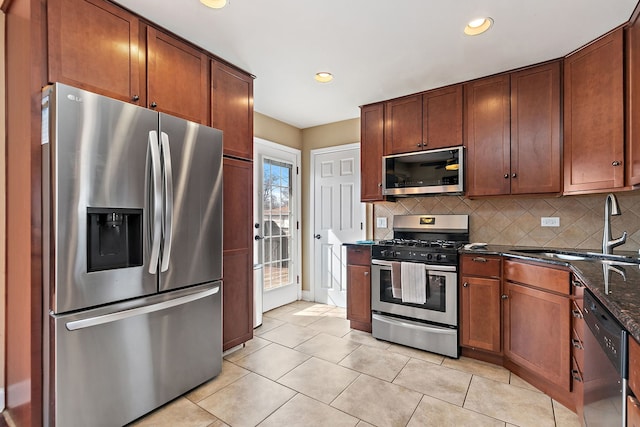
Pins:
<point x="324" y="77"/>
<point x="214" y="4"/>
<point x="478" y="26"/>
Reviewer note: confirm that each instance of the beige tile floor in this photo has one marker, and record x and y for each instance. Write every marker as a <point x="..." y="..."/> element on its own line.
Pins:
<point x="306" y="367"/>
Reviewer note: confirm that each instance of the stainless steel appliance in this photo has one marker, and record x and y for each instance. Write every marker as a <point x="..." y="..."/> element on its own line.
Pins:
<point x="606" y="368"/>
<point x="424" y="172"/>
<point x="132" y="257"/>
<point x="426" y="247"/>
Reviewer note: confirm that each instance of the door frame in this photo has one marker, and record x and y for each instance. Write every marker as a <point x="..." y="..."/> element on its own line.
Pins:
<point x="296" y="208"/>
<point x="309" y="295"/>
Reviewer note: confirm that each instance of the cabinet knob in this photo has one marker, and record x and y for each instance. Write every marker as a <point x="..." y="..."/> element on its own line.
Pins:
<point x="615" y="163"/>
<point x="135" y="97"/>
<point x="576" y="344"/>
<point x="366" y="273"/>
<point x="380" y="184"/>
<point x="479" y="259"/>
<point x="154" y="105"/>
<point x="465" y="284"/>
<point x="419" y="144"/>
<point x="576" y="313"/>
<point x="514" y="175"/>
<point x="317" y="236"/>
<point x="504" y="296"/>
<point x="506" y="176"/>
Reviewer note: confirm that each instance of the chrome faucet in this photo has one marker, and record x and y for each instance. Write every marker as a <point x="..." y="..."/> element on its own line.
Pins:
<point x="611" y="208"/>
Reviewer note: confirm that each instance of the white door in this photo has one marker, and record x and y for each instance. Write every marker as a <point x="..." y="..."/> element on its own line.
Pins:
<point x="277" y="227"/>
<point x="338" y="219"/>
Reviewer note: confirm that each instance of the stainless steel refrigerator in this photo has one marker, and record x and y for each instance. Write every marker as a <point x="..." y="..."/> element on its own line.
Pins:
<point x="132" y="252"/>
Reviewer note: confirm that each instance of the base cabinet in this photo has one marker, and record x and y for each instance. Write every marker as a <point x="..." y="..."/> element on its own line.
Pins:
<point x="480" y="306"/>
<point x="237" y="255"/>
<point x="633" y="402"/>
<point x="359" y="287"/>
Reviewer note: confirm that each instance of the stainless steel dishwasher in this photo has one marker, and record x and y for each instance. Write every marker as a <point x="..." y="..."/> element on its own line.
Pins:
<point x="605" y="366"/>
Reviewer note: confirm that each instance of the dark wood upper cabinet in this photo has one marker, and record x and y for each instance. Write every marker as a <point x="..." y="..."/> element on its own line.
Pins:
<point x="403" y="125"/>
<point x="424" y="121"/>
<point x="93" y="45"/>
<point x="177" y="77"/>
<point x="594" y="116"/>
<point x="442" y="117"/>
<point x="487" y="131"/>
<point x="535" y="130"/>
<point x="371" y="149"/>
<point x="232" y="109"/>
<point x="632" y="55"/>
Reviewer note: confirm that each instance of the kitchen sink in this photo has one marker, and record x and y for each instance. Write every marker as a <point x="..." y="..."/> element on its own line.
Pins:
<point x="552" y="253"/>
<point x="609" y="259"/>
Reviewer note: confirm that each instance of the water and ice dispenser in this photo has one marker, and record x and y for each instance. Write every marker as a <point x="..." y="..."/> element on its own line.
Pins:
<point x="114" y="238"/>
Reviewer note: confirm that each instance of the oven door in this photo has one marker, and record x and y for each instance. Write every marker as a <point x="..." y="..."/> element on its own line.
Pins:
<point x="441" y="304"/>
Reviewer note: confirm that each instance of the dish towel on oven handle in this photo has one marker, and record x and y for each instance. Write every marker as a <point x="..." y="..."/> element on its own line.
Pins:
<point x="413" y="280"/>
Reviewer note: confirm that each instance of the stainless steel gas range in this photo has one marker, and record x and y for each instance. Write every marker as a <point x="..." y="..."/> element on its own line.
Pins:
<point x="414" y="296"/>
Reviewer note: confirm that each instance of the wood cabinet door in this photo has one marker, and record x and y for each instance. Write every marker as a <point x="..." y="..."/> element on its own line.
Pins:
<point x="237" y="258"/>
<point x="359" y="295"/>
<point x="487" y="135"/>
<point x="480" y="315"/>
<point x="93" y="45"/>
<point x="535" y="130"/>
<point x="593" y="116"/>
<point x="442" y="117"/>
<point x="403" y="125"/>
<point x="232" y="109"/>
<point x="537" y="332"/>
<point x="177" y="77"/>
<point x="371" y="150"/>
<point x="632" y="80"/>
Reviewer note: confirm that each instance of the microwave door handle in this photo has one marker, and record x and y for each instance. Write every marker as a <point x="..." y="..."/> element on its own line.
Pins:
<point x="168" y="202"/>
<point x="156" y="212"/>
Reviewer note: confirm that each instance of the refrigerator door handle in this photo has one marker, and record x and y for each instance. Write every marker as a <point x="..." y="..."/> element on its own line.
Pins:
<point x="125" y="314"/>
<point x="168" y="202"/>
<point x="157" y="202"/>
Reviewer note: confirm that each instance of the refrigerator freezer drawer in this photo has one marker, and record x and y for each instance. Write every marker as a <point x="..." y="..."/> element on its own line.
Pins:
<point x="114" y="364"/>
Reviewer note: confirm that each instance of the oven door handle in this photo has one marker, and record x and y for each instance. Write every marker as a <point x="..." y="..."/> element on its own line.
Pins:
<point x="430" y="267"/>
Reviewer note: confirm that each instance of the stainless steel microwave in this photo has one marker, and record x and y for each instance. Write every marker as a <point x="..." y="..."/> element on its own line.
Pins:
<point x="424" y="172"/>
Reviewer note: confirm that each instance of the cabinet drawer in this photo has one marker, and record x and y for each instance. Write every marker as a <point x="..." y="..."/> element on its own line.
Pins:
<point x="577" y="287"/>
<point x="634" y="366"/>
<point x="551" y="279"/>
<point x="479" y="265"/>
<point x="359" y="254"/>
<point x="633" y="412"/>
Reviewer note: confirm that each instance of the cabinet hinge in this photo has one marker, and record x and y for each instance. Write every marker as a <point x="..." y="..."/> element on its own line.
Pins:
<point x="297" y="225"/>
<point x="361" y="226"/>
<point x="297" y="279"/>
<point x="297" y="170"/>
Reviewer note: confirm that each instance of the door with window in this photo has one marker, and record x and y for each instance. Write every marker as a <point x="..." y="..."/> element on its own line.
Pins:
<point x="277" y="226"/>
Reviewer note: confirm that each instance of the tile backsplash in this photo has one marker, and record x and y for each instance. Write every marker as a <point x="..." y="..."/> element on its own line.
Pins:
<point x="516" y="221"/>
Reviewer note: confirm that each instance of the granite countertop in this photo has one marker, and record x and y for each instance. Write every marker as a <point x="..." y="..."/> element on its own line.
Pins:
<point x="616" y="286"/>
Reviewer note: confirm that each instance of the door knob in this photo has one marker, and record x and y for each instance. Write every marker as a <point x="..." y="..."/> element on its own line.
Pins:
<point x="258" y="238"/>
<point x="317" y="236"/>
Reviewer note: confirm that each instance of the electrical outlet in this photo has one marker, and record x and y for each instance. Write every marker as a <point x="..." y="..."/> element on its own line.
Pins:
<point x="550" y="221"/>
<point x="381" y="222"/>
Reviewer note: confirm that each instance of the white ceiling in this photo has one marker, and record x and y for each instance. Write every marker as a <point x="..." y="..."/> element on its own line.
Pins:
<point x="376" y="49"/>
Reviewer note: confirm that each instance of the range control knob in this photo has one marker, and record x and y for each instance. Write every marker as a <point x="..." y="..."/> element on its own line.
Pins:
<point x="438" y="257"/>
<point x="429" y="256"/>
